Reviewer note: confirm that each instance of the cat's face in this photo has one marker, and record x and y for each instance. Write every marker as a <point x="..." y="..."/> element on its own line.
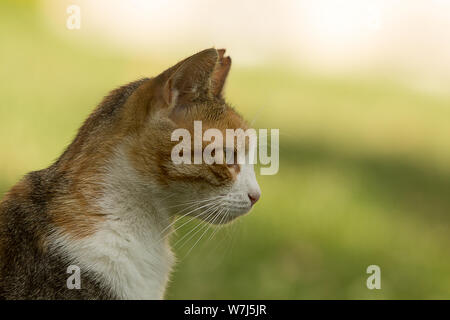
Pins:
<point x="192" y="91"/>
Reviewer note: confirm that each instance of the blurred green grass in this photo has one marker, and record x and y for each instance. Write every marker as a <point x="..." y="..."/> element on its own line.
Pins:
<point x="364" y="169"/>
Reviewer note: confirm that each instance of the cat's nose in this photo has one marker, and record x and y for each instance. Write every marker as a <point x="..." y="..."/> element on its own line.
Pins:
<point x="254" y="196"/>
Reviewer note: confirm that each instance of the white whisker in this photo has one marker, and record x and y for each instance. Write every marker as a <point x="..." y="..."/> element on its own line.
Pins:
<point x="186" y="214"/>
<point x="203" y="234"/>
<point x="210" y="213"/>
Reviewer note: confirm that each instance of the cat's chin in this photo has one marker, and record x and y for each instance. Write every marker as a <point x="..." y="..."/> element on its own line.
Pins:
<point x="228" y="217"/>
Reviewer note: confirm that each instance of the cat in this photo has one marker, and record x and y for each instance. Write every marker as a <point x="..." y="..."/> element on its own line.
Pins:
<point x="108" y="203"/>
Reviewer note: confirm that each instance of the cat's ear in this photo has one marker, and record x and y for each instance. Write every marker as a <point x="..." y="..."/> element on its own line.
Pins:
<point x="220" y="73"/>
<point x="199" y="77"/>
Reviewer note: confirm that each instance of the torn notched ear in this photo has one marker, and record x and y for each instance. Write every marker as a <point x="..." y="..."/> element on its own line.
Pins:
<point x="201" y="76"/>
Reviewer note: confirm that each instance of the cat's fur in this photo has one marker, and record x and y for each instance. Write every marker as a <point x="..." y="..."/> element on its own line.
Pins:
<point x="107" y="204"/>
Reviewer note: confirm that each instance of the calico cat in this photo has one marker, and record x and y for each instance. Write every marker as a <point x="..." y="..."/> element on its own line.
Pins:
<point x="107" y="204"/>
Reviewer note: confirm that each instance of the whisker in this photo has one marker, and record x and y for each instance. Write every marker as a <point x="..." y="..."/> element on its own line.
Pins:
<point x="212" y="224"/>
<point x="211" y="213"/>
<point x="204" y="232"/>
<point x="222" y="240"/>
<point x="194" y="201"/>
<point x="184" y="215"/>
<point x="215" y="230"/>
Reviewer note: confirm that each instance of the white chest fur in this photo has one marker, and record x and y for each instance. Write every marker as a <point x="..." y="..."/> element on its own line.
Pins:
<point x="133" y="264"/>
<point x="129" y="253"/>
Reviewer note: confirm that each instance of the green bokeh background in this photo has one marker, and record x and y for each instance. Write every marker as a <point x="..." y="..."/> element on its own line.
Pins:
<point x="364" y="169"/>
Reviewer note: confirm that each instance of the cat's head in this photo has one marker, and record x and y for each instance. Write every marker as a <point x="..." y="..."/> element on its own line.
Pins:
<point x="189" y="91"/>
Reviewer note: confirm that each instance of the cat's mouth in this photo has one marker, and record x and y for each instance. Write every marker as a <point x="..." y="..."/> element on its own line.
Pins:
<point x="226" y="213"/>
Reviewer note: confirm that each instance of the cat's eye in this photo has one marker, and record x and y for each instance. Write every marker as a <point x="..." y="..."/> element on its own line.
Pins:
<point x="231" y="158"/>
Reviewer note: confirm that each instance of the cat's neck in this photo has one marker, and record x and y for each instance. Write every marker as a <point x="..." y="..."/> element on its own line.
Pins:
<point x="130" y="249"/>
<point x="129" y="197"/>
